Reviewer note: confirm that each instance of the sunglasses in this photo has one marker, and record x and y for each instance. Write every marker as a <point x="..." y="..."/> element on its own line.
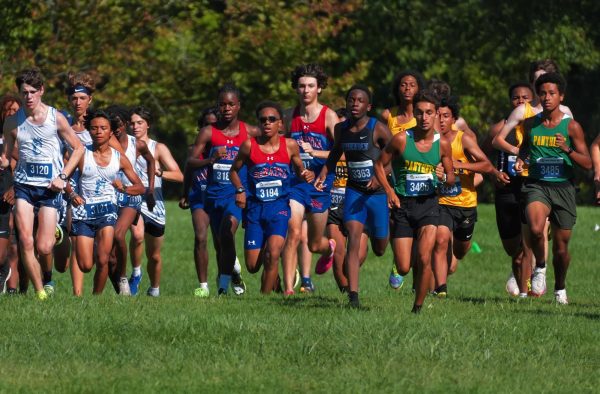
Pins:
<point x="270" y="119"/>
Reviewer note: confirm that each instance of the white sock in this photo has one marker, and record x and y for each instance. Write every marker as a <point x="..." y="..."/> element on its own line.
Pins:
<point x="237" y="268"/>
<point x="137" y="271"/>
<point x="154" y="291"/>
<point x="522" y="295"/>
<point x="204" y="285"/>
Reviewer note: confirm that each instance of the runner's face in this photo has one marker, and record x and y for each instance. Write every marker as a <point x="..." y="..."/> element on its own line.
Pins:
<point x="425" y="115"/>
<point x="120" y="129"/>
<point x="80" y="102"/>
<point x="32" y="97"/>
<point x="408" y="88"/>
<point x="229" y="106"/>
<point x="139" y="125"/>
<point x="446" y="119"/>
<point x="357" y="104"/>
<point x="520" y="95"/>
<point x="268" y="128"/>
<point x="100" y="130"/>
<point x="308" y="89"/>
<point x="550" y="97"/>
<point x="10" y="108"/>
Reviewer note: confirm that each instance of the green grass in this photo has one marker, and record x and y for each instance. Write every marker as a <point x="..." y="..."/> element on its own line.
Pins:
<point x="477" y="340"/>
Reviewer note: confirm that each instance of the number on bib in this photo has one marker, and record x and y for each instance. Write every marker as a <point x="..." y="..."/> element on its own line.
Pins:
<point x="419" y="185"/>
<point x="221" y="173"/>
<point x="269" y="191"/>
<point x="551" y="167"/>
<point x="360" y="171"/>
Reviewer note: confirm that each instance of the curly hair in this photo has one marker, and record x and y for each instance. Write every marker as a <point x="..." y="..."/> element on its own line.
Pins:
<point x="309" y="70"/>
<point x="100" y="113"/>
<point x="31" y="76"/>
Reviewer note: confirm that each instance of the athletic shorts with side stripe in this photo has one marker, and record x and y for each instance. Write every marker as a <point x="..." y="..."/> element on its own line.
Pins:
<point x="414" y="213"/>
<point x="558" y="196"/>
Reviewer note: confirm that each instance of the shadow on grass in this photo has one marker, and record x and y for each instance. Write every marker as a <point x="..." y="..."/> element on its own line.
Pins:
<point x="315" y="301"/>
<point x="560" y="310"/>
<point x="481" y="300"/>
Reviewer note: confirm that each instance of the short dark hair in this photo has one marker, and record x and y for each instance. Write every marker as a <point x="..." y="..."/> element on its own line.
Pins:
<point x="520" y="84"/>
<point x="396" y="83"/>
<point x="427" y="96"/>
<point x="363" y="88"/>
<point x="100" y="113"/>
<point x="31" y="76"/>
<point x="269" y="104"/>
<point x="309" y="70"/>
<point x="230" y="88"/>
<point x="341" y="112"/>
<point x="547" y="65"/>
<point x="120" y="112"/>
<point x="441" y="89"/>
<point x="554" y="78"/>
<point x="143" y="113"/>
<point x="206" y="111"/>
<point x="8" y="98"/>
<point x="451" y="103"/>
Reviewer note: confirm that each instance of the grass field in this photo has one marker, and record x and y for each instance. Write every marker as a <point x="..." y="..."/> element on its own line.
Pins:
<point x="477" y="340"/>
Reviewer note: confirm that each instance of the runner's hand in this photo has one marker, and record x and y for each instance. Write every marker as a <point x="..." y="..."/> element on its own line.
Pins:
<point x="184" y="203"/>
<point x="150" y="200"/>
<point x="240" y="200"/>
<point x="393" y="200"/>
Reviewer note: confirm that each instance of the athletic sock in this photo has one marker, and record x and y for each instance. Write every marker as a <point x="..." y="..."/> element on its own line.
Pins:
<point x="540" y="264"/>
<point x="522" y="295"/>
<point x="155" y="291"/>
<point x="224" y="281"/>
<point x="47" y="276"/>
<point x="204" y="285"/>
<point x="306" y="279"/>
<point x="353" y="298"/>
<point x="137" y="271"/>
<point x="441" y="289"/>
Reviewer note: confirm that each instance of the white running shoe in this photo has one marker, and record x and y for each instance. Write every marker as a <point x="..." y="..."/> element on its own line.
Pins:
<point x="124" y="287"/>
<point x="561" y="297"/>
<point x="512" y="287"/>
<point x="538" y="283"/>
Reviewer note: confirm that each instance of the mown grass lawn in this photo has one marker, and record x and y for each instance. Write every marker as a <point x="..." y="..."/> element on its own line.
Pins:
<point x="477" y="340"/>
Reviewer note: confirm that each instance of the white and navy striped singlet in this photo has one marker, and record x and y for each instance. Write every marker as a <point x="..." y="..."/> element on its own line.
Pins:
<point x="95" y="187"/>
<point x="40" y="158"/>
<point x="158" y="214"/>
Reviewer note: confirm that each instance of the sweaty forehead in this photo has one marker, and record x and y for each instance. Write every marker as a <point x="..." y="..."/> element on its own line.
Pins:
<point x="268" y="111"/>
<point x="424" y="106"/>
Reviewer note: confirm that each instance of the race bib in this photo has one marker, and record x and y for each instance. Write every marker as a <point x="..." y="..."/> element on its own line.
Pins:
<point x="269" y="191"/>
<point x="551" y="167"/>
<point x="306" y="160"/>
<point x="451" y="191"/>
<point x="419" y="185"/>
<point x="511" y="160"/>
<point x="96" y="207"/>
<point x="360" y="171"/>
<point x="338" y="195"/>
<point x="39" y="169"/>
<point x="221" y="173"/>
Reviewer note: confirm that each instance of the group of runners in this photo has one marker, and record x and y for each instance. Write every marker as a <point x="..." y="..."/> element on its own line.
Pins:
<point x="306" y="180"/>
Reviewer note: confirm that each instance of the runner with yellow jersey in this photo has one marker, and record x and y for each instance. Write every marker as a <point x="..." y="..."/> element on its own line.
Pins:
<point x="458" y="203"/>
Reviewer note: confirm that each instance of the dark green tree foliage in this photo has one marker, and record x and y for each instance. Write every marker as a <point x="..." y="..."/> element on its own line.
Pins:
<point x="172" y="56"/>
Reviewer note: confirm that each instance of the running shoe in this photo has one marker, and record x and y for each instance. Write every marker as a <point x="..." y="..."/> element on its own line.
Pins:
<point x="325" y="262"/>
<point x="441" y="292"/>
<point x="353" y="300"/>
<point x="237" y="284"/>
<point x="49" y="288"/>
<point x="151" y="292"/>
<point x="538" y="282"/>
<point x="41" y="295"/>
<point x="561" y="297"/>
<point x="512" y="287"/>
<point x="12" y="291"/>
<point x="396" y="280"/>
<point x="134" y="284"/>
<point x="221" y="292"/>
<point x="58" y="235"/>
<point x="5" y="273"/>
<point x="124" y="289"/>
<point x="307" y="286"/>
<point x="201" y="292"/>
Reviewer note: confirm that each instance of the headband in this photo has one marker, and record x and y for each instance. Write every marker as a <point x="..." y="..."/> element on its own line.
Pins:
<point x="78" y="89"/>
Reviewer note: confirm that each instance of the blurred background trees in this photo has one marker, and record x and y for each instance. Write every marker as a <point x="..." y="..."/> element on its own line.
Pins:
<point x="172" y="55"/>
